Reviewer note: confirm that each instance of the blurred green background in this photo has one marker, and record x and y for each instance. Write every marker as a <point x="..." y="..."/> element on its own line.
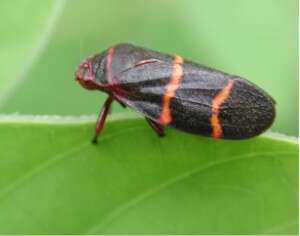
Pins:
<point x="42" y="42"/>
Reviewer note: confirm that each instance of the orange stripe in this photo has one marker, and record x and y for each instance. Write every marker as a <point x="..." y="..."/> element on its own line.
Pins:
<point x="217" y="101"/>
<point x="171" y="87"/>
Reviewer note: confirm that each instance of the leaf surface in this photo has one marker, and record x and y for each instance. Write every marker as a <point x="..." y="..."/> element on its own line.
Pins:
<point x="54" y="181"/>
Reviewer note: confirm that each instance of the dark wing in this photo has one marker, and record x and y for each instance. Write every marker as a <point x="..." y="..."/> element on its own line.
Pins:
<point x="142" y="87"/>
<point x="246" y="112"/>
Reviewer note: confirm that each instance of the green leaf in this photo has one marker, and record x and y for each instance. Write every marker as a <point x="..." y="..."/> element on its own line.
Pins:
<point x="54" y="181"/>
<point x="252" y="38"/>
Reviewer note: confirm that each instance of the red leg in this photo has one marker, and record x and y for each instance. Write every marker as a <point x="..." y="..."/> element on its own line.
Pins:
<point x="102" y="117"/>
<point x="156" y="127"/>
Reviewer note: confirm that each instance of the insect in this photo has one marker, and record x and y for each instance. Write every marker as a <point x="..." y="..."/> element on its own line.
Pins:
<point x="171" y="91"/>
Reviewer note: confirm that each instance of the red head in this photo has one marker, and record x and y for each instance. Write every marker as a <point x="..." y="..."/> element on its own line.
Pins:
<point x="85" y="75"/>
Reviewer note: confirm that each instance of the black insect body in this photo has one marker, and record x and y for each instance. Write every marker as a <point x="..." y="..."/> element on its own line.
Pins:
<point x="169" y="90"/>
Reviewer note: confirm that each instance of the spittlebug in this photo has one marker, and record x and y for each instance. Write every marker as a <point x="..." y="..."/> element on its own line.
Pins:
<point x="169" y="90"/>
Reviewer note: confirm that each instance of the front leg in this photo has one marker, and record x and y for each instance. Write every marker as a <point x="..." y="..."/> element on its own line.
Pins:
<point x="102" y="117"/>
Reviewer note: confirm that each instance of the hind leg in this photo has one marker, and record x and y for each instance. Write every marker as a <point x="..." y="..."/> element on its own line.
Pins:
<point x="156" y="127"/>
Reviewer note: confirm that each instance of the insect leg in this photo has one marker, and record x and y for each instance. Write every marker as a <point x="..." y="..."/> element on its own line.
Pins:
<point x="156" y="127"/>
<point x="121" y="103"/>
<point x="102" y="117"/>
